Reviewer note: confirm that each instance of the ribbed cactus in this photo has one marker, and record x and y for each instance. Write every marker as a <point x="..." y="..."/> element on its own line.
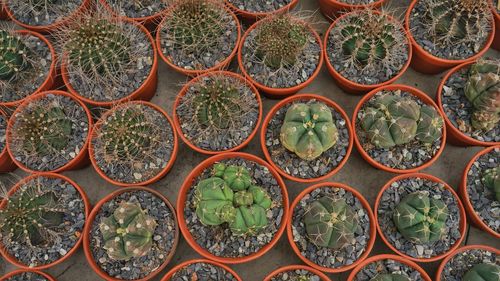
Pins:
<point x="390" y="277"/>
<point x="483" y="91"/>
<point x="483" y="272"/>
<point x="128" y="233"/>
<point x="491" y="179"/>
<point x="420" y="218"/>
<point x="330" y="222"/>
<point x="308" y="130"/>
<point x="13" y="56"/>
<point x="396" y="120"/>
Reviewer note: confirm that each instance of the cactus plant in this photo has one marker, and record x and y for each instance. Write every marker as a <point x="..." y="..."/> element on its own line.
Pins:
<point x="308" y="130"/>
<point x="14" y="56"/>
<point x="128" y="232"/>
<point x="483" y="272"/>
<point x="390" y="277"/>
<point x="330" y="222"/>
<point x="491" y="179"/>
<point x="420" y="218"/>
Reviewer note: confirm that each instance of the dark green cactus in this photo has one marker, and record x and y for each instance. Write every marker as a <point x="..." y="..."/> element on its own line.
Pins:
<point x="308" y="130"/>
<point x="13" y="56"/>
<point x="390" y="277"/>
<point x="491" y="179"/>
<point x="128" y="233"/>
<point x="421" y="219"/>
<point x="330" y="222"/>
<point x="483" y="272"/>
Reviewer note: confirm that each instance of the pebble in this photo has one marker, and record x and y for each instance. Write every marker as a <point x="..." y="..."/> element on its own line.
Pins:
<point x="387" y="266"/>
<point x="459" y="264"/>
<point x="260" y="6"/>
<point x="298" y="274"/>
<point x="3" y="129"/>
<point x="27" y="276"/>
<point x="135" y="9"/>
<point x="202" y="272"/>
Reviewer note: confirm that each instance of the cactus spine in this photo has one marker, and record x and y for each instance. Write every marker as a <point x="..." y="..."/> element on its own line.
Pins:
<point x="483" y="272"/>
<point x="491" y="179"/>
<point x="14" y="56"/>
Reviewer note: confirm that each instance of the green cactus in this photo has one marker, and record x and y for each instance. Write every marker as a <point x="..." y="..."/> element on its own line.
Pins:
<point x="128" y="233"/>
<point x="308" y="130"/>
<point x="483" y="272"/>
<point x="421" y="219"/>
<point x="390" y="277"/>
<point x="491" y="179"/>
<point x="14" y="56"/>
<point x="330" y="222"/>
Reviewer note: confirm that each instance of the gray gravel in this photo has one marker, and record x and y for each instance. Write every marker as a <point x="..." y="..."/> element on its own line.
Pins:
<point x="295" y="275"/>
<point x="3" y="128"/>
<point x="260" y="6"/>
<point x="163" y="237"/>
<point x="202" y="272"/>
<point x="27" y="276"/>
<point x="38" y="16"/>
<point x="138" y="9"/>
<point x="387" y="266"/>
<point x="459" y="264"/>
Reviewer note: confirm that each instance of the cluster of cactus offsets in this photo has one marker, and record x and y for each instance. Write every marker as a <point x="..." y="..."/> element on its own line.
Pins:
<point x="330" y="222"/>
<point x="308" y="130"/>
<point x="14" y="56"/>
<point x="483" y="272"/>
<point x="128" y="233"/>
<point x="230" y="197"/>
<point x="421" y="219"/>
<point x="396" y="120"/>
<point x="483" y="91"/>
<point x="390" y="277"/>
<point x="491" y="179"/>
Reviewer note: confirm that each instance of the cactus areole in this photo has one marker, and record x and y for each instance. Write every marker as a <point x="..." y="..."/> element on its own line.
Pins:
<point x="491" y="179"/>
<point x="13" y="56"/>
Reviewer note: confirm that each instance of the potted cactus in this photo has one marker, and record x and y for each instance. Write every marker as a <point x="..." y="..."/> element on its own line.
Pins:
<point x="236" y="200"/>
<point x="366" y="49"/>
<point x="280" y="54"/>
<point x="332" y="8"/>
<point x="6" y="163"/>
<point x="447" y="33"/>
<point x="252" y="10"/>
<point x="26" y="274"/>
<point x="469" y="97"/>
<point x="147" y="12"/>
<point x="388" y="268"/>
<point x="420" y="217"/>
<point x="49" y="131"/>
<point x="296" y="273"/>
<point x="496" y="12"/>
<point x="331" y="227"/>
<point x="133" y="144"/>
<point x="198" y="36"/>
<point x="216" y="112"/>
<point x="41" y="221"/>
<point x="398" y="129"/>
<point x="307" y="138"/>
<point x="200" y="269"/>
<point x="132" y="234"/>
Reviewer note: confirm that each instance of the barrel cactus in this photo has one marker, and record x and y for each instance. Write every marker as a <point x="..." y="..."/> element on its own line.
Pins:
<point x="308" y="130"/>
<point x="128" y="232"/>
<point x="420" y="218"/>
<point x="491" y="179"/>
<point x="330" y="222"/>
<point x="483" y="272"/>
<point x="390" y="277"/>
<point x="14" y="56"/>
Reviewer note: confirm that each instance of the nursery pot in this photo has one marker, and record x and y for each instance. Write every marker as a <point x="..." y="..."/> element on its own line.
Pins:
<point x="20" y="271"/>
<point x="289" y="100"/>
<point x="462" y="225"/>
<point x="333" y="8"/>
<point x="187" y="184"/>
<point x="6" y="163"/>
<point x="86" y="202"/>
<point x="81" y="159"/>
<point x="424" y="62"/>
<point x="388" y="257"/>
<point x="92" y="216"/>
<point x="367" y="208"/>
<point x="183" y="92"/>
<point x="296" y="267"/>
<point x="171" y="273"/>
<point x="149" y="22"/>
<point x="250" y="17"/>
<point x="415" y="92"/>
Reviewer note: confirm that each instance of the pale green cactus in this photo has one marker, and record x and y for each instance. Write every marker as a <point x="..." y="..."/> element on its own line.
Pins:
<point x="214" y="201"/>
<point x="238" y="178"/>
<point x="390" y="277"/>
<point x="483" y="272"/>
<point x="491" y="179"/>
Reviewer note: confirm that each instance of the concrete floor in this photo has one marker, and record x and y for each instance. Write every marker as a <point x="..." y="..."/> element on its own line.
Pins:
<point x="356" y="173"/>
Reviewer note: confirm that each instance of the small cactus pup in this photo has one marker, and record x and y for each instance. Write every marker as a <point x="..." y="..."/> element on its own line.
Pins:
<point x="140" y="10"/>
<point x="491" y="179"/>
<point x="390" y="277"/>
<point x="483" y="272"/>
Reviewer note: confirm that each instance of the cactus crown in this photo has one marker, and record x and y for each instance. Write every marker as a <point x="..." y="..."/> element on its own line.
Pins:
<point x="230" y="197"/>
<point x="483" y="272"/>
<point x="420" y="218"/>
<point x="308" y="130"/>
<point x="390" y="277"/>
<point x="14" y="56"/>
<point x="128" y="232"/>
<point x="491" y="179"/>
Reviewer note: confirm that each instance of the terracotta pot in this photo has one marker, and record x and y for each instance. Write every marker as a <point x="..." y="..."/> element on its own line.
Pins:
<point x="171" y="273"/>
<point x="161" y="174"/>
<point x="333" y="8"/>
<point x="177" y="122"/>
<point x="462" y="225"/>
<point x="366" y="207"/>
<point x="13" y="273"/>
<point x="11" y="259"/>
<point x="250" y="17"/>
<point x="145" y="92"/>
<point x="424" y="62"/>
<point x="399" y="259"/>
<point x="496" y="41"/>
<point x="289" y="100"/>
<point x="81" y="159"/>
<point x="278" y="93"/>
<point x="149" y="22"/>
<point x="471" y="212"/>
<point x="187" y="184"/>
<point x="90" y="222"/>
<point x="296" y="267"/>
<point x="351" y="86"/>
<point x="417" y="93"/>
<point x="456" y="137"/>
<point x="6" y="163"/>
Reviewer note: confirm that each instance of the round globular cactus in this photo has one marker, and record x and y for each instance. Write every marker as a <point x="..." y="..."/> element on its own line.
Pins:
<point x="330" y="222"/>
<point x="128" y="233"/>
<point x="483" y="272"/>
<point x="390" y="277"/>
<point x="308" y="130"/>
<point x="14" y="56"/>
<point x="421" y="219"/>
<point x="491" y="179"/>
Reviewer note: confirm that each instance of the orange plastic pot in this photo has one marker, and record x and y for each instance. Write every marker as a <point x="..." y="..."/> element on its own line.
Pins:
<point x="351" y="86"/>
<point x="144" y="183"/>
<point x="399" y="259"/>
<point x="496" y="41"/>
<point x="14" y="273"/>
<point x="6" y="163"/>
<point x="465" y="195"/>
<point x="462" y="225"/>
<point x="366" y="206"/>
<point x="145" y="92"/>
<point x="333" y="8"/>
<point x="184" y="90"/>
<point x="417" y="93"/>
<point x="187" y="184"/>
<point x="424" y="62"/>
<point x="289" y="100"/>
<point x="11" y="259"/>
<point x="90" y="222"/>
<point x="81" y="159"/>
<point x="251" y="17"/>
<point x="456" y="137"/>
<point x="297" y="267"/>
<point x="149" y="21"/>
<point x="171" y="273"/>
<point x="278" y="93"/>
